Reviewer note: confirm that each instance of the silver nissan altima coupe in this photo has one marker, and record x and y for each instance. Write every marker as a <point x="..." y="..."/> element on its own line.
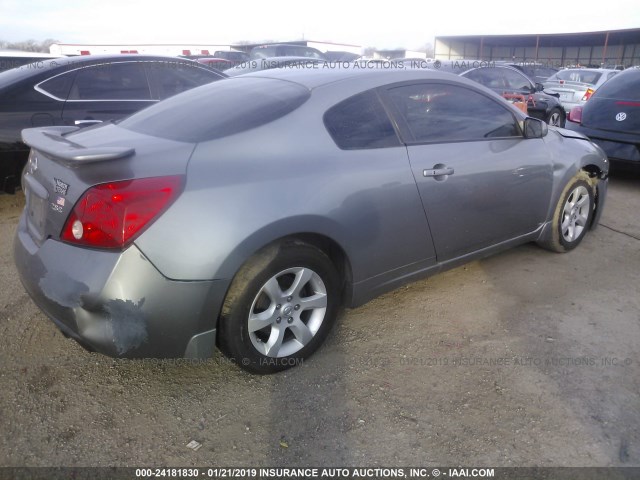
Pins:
<point x="243" y="214"/>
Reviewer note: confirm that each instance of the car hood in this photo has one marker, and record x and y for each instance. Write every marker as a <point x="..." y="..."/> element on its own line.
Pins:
<point x="568" y="133"/>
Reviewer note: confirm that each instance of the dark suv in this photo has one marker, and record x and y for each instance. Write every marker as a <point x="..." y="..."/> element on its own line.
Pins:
<point x="82" y="91"/>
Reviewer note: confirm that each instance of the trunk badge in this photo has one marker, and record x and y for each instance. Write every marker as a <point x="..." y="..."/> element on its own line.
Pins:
<point x="621" y="117"/>
<point x="60" y="187"/>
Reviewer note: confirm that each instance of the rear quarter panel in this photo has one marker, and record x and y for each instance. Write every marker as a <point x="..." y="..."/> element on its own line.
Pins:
<point x="250" y="189"/>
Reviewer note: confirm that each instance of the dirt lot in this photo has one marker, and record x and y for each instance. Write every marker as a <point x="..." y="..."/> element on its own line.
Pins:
<point x="526" y="358"/>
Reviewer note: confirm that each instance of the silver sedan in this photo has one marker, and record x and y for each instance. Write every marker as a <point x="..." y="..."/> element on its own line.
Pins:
<point x="576" y="85"/>
<point x="243" y="214"/>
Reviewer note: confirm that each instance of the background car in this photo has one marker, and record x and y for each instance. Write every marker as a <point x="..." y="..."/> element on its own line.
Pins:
<point x="509" y="80"/>
<point x="220" y="64"/>
<point x="338" y="56"/>
<point x="83" y="91"/>
<point x="611" y="117"/>
<point x="285" y="50"/>
<point x="244" y="213"/>
<point x="576" y="85"/>
<point x="537" y="72"/>
<point x="234" y="56"/>
<point x="260" y="64"/>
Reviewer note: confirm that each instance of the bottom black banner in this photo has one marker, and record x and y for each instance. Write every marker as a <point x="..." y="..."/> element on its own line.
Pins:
<point x="284" y="473"/>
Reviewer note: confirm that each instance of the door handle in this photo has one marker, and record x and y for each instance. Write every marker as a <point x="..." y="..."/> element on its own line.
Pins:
<point x="438" y="171"/>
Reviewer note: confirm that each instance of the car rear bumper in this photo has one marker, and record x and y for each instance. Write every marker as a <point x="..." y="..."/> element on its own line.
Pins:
<point x="118" y="303"/>
<point x="569" y="105"/>
<point x="627" y="152"/>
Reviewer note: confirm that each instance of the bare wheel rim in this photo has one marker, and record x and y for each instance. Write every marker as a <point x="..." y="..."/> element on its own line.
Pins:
<point x="554" y="119"/>
<point x="287" y="312"/>
<point x="575" y="214"/>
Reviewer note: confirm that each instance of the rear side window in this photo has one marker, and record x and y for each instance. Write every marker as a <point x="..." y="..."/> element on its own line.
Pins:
<point x="111" y="81"/>
<point x="624" y="86"/>
<point x="172" y="78"/>
<point x="219" y="109"/>
<point x="360" y="122"/>
<point x="58" y="86"/>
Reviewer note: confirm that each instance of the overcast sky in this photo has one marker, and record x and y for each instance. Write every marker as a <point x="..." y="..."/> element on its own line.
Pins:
<point x="398" y="23"/>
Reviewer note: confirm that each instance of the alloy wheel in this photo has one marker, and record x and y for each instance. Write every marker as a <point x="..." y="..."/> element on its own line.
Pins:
<point x="287" y="312"/>
<point x="575" y="214"/>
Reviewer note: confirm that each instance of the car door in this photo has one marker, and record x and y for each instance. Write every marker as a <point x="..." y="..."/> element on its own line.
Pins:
<point x="481" y="182"/>
<point x="32" y="102"/>
<point x="382" y="209"/>
<point x="108" y="91"/>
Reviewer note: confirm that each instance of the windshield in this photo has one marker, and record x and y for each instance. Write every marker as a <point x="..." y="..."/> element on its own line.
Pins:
<point x="537" y="73"/>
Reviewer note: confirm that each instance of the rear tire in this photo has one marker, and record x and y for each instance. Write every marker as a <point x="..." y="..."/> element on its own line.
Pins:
<point x="556" y="118"/>
<point x="280" y="307"/>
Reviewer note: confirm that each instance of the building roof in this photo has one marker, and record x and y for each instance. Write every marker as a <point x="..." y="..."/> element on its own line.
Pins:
<point x="627" y="36"/>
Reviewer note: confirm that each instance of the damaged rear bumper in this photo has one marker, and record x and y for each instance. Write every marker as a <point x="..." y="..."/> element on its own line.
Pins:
<point x="118" y="303"/>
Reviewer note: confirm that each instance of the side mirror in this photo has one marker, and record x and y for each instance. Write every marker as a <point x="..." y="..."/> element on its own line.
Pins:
<point x="539" y="87"/>
<point x="534" y="128"/>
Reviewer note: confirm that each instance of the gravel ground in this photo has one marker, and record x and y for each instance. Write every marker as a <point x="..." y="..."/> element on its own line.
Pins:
<point x="527" y="358"/>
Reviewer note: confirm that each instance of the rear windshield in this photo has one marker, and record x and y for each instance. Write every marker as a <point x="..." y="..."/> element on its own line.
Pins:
<point x="219" y="109"/>
<point x="578" y="76"/>
<point x="624" y="86"/>
<point x="538" y="74"/>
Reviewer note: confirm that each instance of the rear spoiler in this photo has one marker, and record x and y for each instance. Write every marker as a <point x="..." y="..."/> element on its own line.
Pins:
<point x="52" y="142"/>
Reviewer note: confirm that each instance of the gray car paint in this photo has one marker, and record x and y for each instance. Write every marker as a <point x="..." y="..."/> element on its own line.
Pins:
<point x="283" y="179"/>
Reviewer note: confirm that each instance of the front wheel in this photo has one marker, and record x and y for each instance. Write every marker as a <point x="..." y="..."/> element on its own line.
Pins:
<point x="279" y="308"/>
<point x="572" y="216"/>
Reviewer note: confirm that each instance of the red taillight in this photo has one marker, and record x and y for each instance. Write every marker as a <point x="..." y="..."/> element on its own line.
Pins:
<point x="112" y="215"/>
<point x="588" y="94"/>
<point x="575" y="115"/>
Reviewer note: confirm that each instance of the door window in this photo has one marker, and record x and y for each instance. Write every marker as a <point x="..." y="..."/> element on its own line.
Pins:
<point x="449" y="113"/>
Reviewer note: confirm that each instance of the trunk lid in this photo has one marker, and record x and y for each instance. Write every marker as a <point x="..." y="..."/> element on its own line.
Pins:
<point x="65" y="161"/>
<point x="569" y="91"/>
<point x="611" y="114"/>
